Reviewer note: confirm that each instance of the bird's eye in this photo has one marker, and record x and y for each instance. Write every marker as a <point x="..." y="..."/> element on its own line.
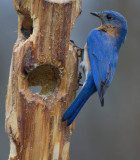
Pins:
<point x="109" y="17"/>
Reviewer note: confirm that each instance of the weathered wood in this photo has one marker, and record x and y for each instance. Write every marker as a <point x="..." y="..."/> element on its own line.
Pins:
<point x="42" y="56"/>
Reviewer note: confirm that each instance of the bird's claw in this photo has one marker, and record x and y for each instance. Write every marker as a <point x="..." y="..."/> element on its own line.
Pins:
<point x="79" y="50"/>
<point x="72" y="42"/>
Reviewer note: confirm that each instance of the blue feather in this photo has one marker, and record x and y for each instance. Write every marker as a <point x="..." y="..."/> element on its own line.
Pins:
<point x="103" y="58"/>
<point x="103" y="45"/>
<point x="88" y="89"/>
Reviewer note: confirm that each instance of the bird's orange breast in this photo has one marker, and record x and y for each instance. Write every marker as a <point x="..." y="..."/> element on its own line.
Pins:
<point x="110" y="29"/>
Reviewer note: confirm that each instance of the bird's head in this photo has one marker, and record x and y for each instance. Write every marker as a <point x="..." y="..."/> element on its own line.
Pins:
<point x="114" y="19"/>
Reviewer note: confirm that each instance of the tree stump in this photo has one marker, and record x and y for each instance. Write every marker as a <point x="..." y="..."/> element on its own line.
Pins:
<point x="42" y="56"/>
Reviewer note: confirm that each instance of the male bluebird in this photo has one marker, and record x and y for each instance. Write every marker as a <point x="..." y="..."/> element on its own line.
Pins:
<point x="100" y="59"/>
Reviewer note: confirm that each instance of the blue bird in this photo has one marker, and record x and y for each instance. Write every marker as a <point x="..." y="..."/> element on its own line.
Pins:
<point x="100" y="59"/>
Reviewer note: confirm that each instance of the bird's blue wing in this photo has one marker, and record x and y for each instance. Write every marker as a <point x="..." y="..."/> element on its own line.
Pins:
<point x="103" y="58"/>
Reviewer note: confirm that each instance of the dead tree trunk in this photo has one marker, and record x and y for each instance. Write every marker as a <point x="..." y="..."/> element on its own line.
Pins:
<point x="42" y="56"/>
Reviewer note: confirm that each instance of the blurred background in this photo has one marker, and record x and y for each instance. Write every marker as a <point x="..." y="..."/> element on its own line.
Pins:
<point x="109" y="133"/>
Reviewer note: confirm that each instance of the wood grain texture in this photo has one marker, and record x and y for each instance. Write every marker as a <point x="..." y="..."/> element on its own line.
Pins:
<point x="42" y="56"/>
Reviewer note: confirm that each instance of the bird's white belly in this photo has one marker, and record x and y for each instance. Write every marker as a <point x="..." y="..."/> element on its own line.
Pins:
<point x="85" y="64"/>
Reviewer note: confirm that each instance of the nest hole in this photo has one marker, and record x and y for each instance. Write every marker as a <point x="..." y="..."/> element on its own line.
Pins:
<point x="27" y="26"/>
<point x="44" y="79"/>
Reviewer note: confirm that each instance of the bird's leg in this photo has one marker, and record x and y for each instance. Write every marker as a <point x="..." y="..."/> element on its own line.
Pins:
<point x="79" y="78"/>
<point x="79" y="50"/>
<point x="79" y="55"/>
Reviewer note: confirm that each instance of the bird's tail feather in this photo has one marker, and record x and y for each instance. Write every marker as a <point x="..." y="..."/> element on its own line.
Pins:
<point x="78" y="108"/>
<point x="87" y="90"/>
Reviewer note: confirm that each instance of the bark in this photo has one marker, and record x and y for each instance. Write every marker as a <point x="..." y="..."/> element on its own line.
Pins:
<point x="42" y="56"/>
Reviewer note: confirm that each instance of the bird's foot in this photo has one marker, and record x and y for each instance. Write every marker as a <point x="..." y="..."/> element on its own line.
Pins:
<point x="79" y="50"/>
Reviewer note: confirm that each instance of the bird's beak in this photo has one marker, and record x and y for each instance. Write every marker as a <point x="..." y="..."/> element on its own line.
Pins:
<point x="97" y="14"/>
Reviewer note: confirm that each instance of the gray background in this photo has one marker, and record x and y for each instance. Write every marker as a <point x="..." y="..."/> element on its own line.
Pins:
<point x="109" y="133"/>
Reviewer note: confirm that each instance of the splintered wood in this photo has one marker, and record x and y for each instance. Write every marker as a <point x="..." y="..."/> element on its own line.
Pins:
<point x="42" y="56"/>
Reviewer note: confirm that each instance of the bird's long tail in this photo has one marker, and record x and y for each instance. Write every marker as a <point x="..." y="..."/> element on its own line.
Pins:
<point x="88" y="89"/>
